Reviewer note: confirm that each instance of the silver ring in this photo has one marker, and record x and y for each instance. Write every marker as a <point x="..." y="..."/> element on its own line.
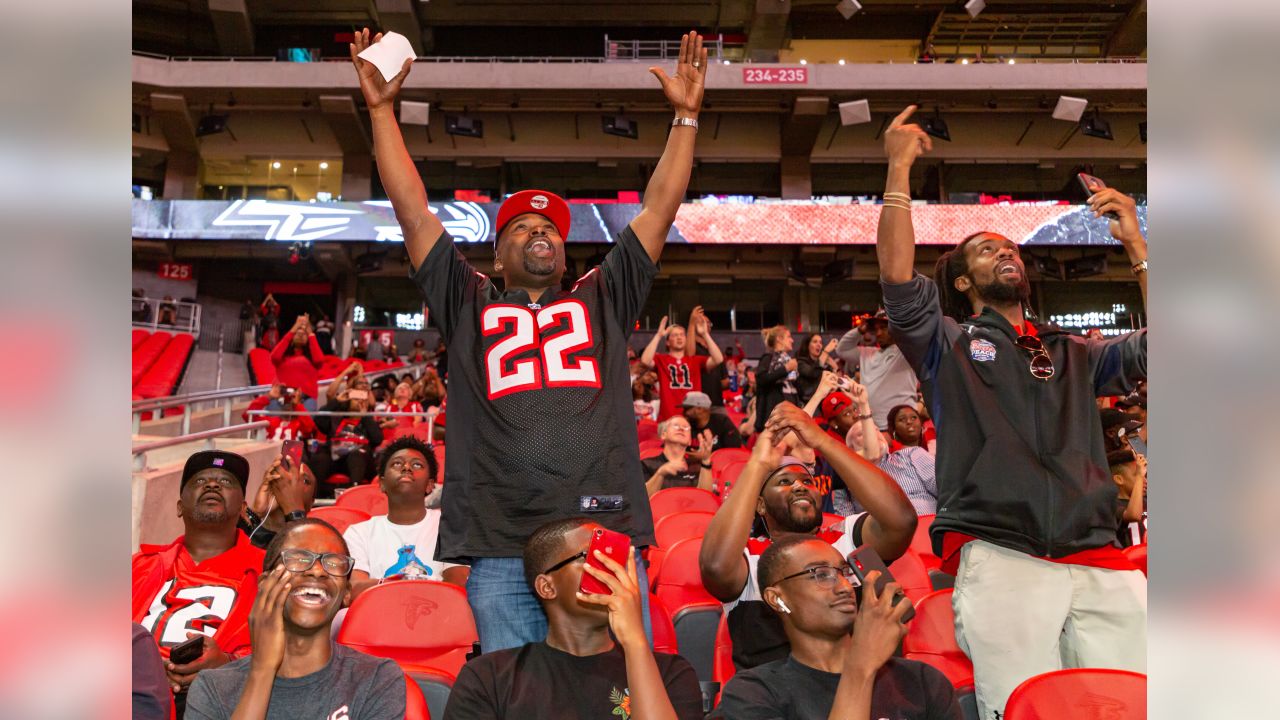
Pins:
<point x="696" y="64"/>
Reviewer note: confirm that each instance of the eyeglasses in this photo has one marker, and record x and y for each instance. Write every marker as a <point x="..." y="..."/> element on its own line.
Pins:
<point x="1041" y="365"/>
<point x="825" y="575"/>
<point x="296" y="560"/>
<point x="580" y="556"/>
<point x="414" y="465"/>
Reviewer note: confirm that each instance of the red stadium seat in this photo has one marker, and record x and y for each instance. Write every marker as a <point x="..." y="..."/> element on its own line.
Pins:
<point x="339" y="517"/>
<point x="830" y="520"/>
<point x="911" y="573"/>
<point x="694" y="611"/>
<point x="145" y="355"/>
<point x="415" y="703"/>
<point x="932" y="639"/>
<point x="650" y="452"/>
<point x="368" y="498"/>
<point x="650" y="444"/>
<point x="922" y="545"/>
<point x="1079" y="693"/>
<point x="161" y="379"/>
<point x="681" y="499"/>
<point x="722" y="666"/>
<point x="421" y="624"/>
<point x="725" y="456"/>
<point x="261" y="369"/>
<point x="728" y="477"/>
<point x="664" y="633"/>
<point x="138" y="336"/>
<point x="646" y="430"/>
<point x="681" y="526"/>
<point x="1138" y="554"/>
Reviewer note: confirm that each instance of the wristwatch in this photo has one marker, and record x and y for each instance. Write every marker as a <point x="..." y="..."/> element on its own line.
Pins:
<point x="690" y="122"/>
<point x="706" y="464"/>
<point x="295" y="515"/>
<point x="1139" y="267"/>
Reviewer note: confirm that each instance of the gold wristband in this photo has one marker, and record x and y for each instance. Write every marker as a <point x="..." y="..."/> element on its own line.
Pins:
<point x="898" y="195"/>
<point x="1139" y="267"/>
<point x="897" y="204"/>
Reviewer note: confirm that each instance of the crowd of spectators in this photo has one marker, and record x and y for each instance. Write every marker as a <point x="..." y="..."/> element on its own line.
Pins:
<point x="834" y="450"/>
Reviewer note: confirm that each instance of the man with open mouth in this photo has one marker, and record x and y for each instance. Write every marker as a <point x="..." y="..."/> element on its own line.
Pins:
<point x="532" y="353"/>
<point x="296" y="669"/>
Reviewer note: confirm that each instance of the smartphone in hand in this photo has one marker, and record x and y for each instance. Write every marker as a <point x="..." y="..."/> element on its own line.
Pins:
<point x="1093" y="185"/>
<point x="613" y="544"/>
<point x="865" y="559"/>
<point x="188" y="651"/>
<point x="292" y="449"/>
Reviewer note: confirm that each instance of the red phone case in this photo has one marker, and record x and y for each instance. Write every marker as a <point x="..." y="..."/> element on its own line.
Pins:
<point x="614" y="545"/>
<point x="293" y="450"/>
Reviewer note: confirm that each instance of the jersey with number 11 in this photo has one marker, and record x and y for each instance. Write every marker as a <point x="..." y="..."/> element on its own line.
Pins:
<point x="540" y="411"/>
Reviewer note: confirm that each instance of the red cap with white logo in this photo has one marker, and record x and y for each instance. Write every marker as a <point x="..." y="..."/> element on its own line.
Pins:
<point x="547" y="204"/>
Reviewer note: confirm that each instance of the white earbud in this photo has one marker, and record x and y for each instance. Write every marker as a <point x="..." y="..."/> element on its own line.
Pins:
<point x="782" y="606"/>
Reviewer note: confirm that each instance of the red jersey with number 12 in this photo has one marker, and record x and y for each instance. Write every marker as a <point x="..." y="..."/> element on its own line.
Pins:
<point x="541" y="424"/>
<point x="173" y="595"/>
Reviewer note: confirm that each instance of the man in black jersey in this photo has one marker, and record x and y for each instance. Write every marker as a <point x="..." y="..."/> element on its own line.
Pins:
<point x="541" y="423"/>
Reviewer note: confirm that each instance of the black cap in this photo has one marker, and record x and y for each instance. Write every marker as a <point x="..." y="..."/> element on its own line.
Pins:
<point x="1121" y="456"/>
<point x="221" y="459"/>
<point x="1113" y="418"/>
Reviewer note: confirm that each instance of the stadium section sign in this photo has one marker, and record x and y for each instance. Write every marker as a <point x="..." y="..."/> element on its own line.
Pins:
<point x="752" y="224"/>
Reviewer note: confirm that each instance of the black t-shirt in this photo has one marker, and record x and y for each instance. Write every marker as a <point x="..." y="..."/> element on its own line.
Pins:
<point x="725" y="431"/>
<point x="711" y="379"/>
<point x="789" y="690"/>
<point x="537" y="681"/>
<point x="540" y="412"/>
<point x="688" y="478"/>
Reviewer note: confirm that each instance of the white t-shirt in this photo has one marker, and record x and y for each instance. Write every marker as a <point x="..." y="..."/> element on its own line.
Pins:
<point x="381" y="548"/>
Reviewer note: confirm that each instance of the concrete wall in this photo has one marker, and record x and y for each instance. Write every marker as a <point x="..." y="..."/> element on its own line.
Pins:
<point x="155" y="491"/>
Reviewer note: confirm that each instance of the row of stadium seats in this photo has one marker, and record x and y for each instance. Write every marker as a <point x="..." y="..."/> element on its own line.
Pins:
<point x="263" y="372"/>
<point x="159" y="359"/>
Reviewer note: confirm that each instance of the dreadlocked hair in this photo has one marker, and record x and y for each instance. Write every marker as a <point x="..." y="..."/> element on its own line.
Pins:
<point x="951" y="265"/>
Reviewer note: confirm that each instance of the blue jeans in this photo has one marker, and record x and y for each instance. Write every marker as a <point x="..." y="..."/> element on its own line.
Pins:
<point x="507" y="612"/>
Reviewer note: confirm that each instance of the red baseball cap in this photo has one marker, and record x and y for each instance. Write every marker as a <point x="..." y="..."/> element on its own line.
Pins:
<point x="547" y="204"/>
<point x="834" y="404"/>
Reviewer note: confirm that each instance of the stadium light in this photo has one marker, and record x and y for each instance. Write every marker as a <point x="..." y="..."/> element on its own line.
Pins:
<point x="854" y="112"/>
<point x="464" y="125"/>
<point x="936" y="127"/>
<point x="1095" y="126"/>
<point x="848" y="8"/>
<point x="620" y="126"/>
<point x="973" y="7"/>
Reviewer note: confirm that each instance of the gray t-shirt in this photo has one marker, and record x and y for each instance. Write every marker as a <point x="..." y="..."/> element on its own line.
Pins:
<point x="353" y="686"/>
<point x="887" y="375"/>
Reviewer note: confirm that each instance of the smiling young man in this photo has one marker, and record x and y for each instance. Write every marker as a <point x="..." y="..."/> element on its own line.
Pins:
<point x="841" y="663"/>
<point x="784" y="495"/>
<point x="204" y="582"/>
<point x="1026" y="504"/>
<point x="595" y="661"/>
<point x="402" y="543"/>
<point x="296" y="670"/>
<point x="679" y="369"/>
<point x="541" y="423"/>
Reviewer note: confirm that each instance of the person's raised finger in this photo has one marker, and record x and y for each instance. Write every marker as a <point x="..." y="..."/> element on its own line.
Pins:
<point x="902" y="117"/>
<point x="900" y="608"/>
<point x="683" y="57"/>
<point x="613" y="565"/>
<point x="662" y="76"/>
<point x="607" y="578"/>
<point x="869" y="596"/>
<point x="698" y="55"/>
<point x="593" y="598"/>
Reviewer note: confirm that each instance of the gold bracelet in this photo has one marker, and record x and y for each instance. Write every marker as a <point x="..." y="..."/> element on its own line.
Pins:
<point x="897" y="204"/>
<point x="1138" y="268"/>
<point x="899" y="195"/>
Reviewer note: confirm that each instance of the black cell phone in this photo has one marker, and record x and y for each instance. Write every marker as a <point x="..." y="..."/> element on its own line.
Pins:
<point x="1093" y="185"/>
<point x="188" y="651"/>
<point x="865" y="559"/>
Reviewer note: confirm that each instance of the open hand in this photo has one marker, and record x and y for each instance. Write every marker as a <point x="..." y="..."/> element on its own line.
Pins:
<point x="879" y="628"/>
<point x="377" y="92"/>
<point x="1126" y="229"/>
<point x="903" y="141"/>
<point x="266" y="619"/>
<point x="706" y="443"/>
<point x="684" y="91"/>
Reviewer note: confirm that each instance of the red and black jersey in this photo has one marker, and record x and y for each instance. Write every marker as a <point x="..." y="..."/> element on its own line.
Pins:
<point x="173" y="595"/>
<point x="677" y="377"/>
<point x="540" y="396"/>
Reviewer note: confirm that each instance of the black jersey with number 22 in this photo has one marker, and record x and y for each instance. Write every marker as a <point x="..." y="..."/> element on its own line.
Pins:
<point x="540" y="419"/>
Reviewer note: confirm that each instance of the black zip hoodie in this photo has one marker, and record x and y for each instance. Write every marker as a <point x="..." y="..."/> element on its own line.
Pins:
<point x="1020" y="461"/>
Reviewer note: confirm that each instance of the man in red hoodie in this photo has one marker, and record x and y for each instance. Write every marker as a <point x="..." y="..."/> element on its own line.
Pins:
<point x="203" y="583"/>
<point x="297" y="358"/>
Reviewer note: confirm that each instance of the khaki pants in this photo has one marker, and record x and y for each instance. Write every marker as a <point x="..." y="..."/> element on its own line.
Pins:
<point x="1018" y="616"/>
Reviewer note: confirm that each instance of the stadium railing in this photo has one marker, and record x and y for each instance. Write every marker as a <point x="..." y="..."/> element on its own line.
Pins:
<point x="187" y="316"/>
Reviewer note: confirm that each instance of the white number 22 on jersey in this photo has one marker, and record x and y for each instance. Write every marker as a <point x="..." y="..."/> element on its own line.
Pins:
<point x="523" y="329"/>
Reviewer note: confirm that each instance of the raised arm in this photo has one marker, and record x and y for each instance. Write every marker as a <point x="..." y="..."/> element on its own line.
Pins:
<point x="399" y="176"/>
<point x="895" y="238"/>
<point x="670" y="178"/>
<point x="1126" y="230"/>
<point x="646" y="357"/>
<point x="723" y="567"/>
<point x="702" y="332"/>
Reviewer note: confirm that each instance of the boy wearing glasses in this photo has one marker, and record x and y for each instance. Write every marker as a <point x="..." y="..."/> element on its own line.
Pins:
<point x="782" y="493"/>
<point x="296" y="670"/>
<point x="402" y="543"/>
<point x="837" y="667"/>
<point x="1025" y="500"/>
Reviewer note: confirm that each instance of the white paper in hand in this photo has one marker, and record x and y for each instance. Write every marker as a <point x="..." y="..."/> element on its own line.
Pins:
<point x="389" y="54"/>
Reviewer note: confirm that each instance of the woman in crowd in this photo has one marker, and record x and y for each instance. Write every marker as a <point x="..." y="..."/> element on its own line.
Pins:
<point x="297" y="358"/>
<point x="775" y="374"/>
<point x="813" y="358"/>
<point x="906" y="428"/>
